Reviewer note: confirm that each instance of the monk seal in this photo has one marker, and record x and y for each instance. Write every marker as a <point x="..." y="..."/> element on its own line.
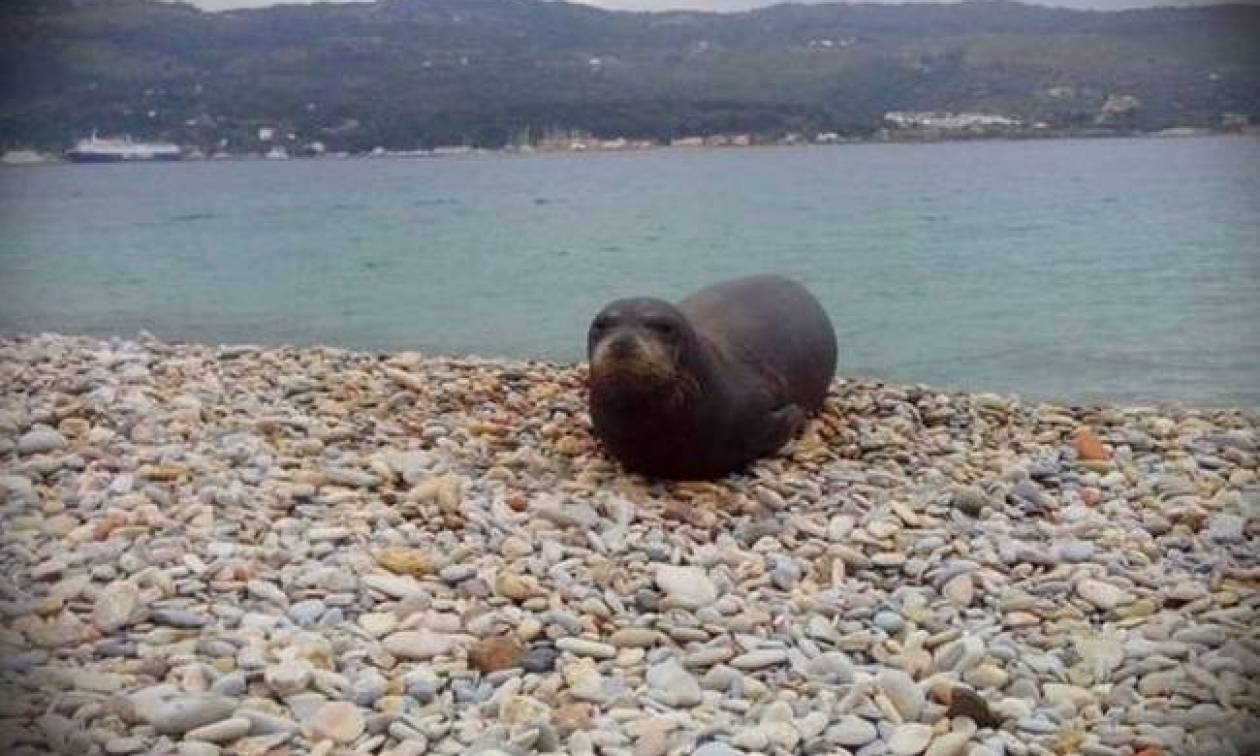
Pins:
<point x="697" y="389"/>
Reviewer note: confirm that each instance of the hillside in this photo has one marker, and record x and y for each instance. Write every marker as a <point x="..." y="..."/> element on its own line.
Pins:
<point x="405" y="73"/>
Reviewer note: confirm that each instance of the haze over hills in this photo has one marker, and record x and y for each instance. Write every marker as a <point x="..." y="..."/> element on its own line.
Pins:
<point x="738" y="5"/>
<point x="409" y="73"/>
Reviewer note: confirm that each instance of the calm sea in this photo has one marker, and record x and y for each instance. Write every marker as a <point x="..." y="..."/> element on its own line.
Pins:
<point x="1098" y="269"/>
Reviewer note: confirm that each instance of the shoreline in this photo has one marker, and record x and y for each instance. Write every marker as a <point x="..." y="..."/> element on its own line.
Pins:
<point x="266" y="547"/>
<point x="864" y="377"/>
<point x="465" y="151"/>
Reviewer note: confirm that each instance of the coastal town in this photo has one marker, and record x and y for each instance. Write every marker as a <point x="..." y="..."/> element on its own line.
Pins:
<point x="275" y="143"/>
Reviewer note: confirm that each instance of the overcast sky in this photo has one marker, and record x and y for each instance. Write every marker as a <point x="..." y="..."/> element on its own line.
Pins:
<point x="722" y="5"/>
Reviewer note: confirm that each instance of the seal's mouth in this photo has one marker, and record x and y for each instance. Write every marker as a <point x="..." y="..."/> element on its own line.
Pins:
<point x="633" y="360"/>
<point x="631" y="357"/>
<point x="637" y="373"/>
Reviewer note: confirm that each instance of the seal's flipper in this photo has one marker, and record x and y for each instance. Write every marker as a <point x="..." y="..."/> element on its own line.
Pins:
<point x="790" y="416"/>
<point x="780" y="426"/>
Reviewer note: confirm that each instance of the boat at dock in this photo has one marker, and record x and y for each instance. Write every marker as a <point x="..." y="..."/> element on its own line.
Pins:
<point x="109" y="150"/>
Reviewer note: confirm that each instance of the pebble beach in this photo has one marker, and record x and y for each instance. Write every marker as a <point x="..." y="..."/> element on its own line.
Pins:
<point x="246" y="550"/>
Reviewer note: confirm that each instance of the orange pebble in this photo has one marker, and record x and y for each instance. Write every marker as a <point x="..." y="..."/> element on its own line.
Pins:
<point x="1089" y="447"/>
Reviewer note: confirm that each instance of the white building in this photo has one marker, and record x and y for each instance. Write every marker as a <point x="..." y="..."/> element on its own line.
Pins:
<point x="946" y="121"/>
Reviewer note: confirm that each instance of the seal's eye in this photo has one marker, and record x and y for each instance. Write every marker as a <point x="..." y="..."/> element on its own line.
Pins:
<point x="601" y="323"/>
<point x="662" y="328"/>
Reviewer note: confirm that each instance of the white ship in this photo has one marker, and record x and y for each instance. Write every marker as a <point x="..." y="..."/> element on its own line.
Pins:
<point x="97" y="150"/>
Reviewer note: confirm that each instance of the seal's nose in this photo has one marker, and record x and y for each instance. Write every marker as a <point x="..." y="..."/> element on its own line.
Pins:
<point x="622" y="346"/>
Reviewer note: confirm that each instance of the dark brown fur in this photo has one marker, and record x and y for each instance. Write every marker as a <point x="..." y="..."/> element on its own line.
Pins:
<point x="698" y="389"/>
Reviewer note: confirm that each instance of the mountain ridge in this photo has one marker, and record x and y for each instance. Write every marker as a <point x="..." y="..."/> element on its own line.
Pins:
<point x="409" y="73"/>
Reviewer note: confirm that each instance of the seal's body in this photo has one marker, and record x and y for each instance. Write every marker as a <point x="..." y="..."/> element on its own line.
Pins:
<point x="699" y="388"/>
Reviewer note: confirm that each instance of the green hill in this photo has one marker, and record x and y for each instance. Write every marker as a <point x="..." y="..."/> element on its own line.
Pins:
<point x="406" y="73"/>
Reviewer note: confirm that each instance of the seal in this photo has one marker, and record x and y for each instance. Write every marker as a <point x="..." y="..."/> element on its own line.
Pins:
<point x="698" y="389"/>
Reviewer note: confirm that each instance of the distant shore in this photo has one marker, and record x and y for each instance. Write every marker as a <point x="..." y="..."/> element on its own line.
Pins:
<point x="582" y="145"/>
<point x="254" y="548"/>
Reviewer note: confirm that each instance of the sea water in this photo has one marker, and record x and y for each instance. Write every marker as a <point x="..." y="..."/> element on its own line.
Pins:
<point x="1080" y="270"/>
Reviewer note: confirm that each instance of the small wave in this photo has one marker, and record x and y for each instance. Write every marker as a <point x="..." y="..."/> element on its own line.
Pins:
<point x="193" y="217"/>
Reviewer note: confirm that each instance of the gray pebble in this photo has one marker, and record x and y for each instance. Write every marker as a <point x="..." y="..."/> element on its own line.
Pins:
<point x="889" y="621"/>
<point x="422" y="684"/>
<point x="41" y="441"/>
<point x="178" y="618"/>
<point x="231" y="685"/>
<point x="367" y="688"/>
<point x="539" y="659"/>
<point x="307" y="613"/>
<point x="785" y="574"/>
<point x="1076" y="551"/>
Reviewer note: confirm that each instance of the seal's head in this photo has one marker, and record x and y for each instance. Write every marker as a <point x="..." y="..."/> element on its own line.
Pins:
<point x="642" y="343"/>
